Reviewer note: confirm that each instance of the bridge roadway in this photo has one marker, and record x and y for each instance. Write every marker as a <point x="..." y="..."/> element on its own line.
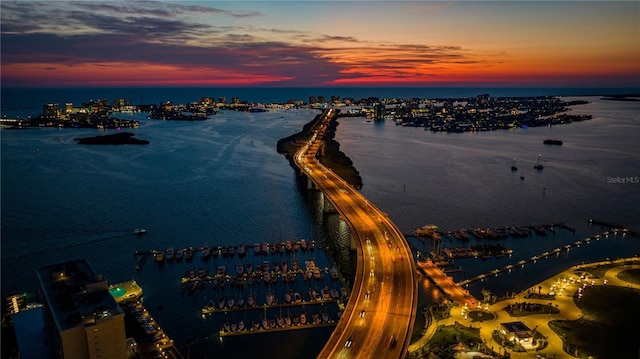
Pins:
<point x="384" y="296"/>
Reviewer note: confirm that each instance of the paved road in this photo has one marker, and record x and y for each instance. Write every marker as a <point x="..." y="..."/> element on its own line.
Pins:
<point x="379" y="316"/>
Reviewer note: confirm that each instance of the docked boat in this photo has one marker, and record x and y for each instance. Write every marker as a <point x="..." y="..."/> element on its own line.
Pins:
<point x="209" y="308"/>
<point x="280" y="321"/>
<point x="281" y="248"/>
<point x="287" y="245"/>
<point x="231" y="302"/>
<point x="334" y="294"/>
<point x="221" y="271"/>
<point x="179" y="254"/>
<point x="231" y="250"/>
<point x="256" y="248"/>
<point x="297" y="297"/>
<point x="169" y="254"/>
<point x="266" y="266"/>
<point x="160" y="257"/>
<point x="206" y="252"/>
<point x="266" y="276"/>
<point x="221" y="303"/>
<point x="316" y="273"/>
<point x="303" y="318"/>
<point x="249" y="268"/>
<point x="284" y="266"/>
<point x="270" y="298"/>
<point x="295" y="266"/>
<point x="242" y="250"/>
<point x="241" y="325"/>
<point x="303" y="244"/>
<point x="188" y="254"/>
<point x="240" y="269"/>
<point x="273" y="248"/>
<point x="287" y="321"/>
<point x="288" y="298"/>
<point x="334" y="273"/>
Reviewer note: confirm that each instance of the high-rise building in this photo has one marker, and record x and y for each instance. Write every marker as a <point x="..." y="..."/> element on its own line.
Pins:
<point x="81" y="316"/>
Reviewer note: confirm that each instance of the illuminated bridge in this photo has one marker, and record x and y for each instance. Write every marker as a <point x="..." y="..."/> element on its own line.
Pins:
<point x="379" y="316"/>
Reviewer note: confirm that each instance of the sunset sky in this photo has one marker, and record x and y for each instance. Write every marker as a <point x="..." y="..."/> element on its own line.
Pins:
<point x="320" y="43"/>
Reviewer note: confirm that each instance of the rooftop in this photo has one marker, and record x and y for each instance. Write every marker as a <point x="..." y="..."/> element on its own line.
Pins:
<point x="76" y="295"/>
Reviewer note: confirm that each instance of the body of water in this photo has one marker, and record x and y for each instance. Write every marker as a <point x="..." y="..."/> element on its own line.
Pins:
<point x="221" y="182"/>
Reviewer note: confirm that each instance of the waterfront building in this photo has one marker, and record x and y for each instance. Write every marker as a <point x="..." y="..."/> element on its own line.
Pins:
<point x="81" y="316"/>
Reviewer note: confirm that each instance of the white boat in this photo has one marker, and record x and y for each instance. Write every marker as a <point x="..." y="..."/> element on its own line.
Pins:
<point x="334" y="273"/>
<point x="209" y="308"/>
<point x="270" y="299"/>
<point x="206" y="252"/>
<point x="139" y="231"/>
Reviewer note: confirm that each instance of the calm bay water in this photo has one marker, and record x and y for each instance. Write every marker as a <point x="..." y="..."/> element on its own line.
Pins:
<point x="222" y="182"/>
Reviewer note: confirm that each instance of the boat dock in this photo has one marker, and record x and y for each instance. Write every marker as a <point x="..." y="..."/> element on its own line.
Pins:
<point x="225" y="332"/>
<point x="520" y="263"/>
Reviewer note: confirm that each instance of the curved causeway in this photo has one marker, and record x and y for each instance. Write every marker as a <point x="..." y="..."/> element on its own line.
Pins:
<point x="379" y="316"/>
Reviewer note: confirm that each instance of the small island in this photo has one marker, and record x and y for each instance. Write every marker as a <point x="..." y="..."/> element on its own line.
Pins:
<point x="553" y="142"/>
<point x="120" y="138"/>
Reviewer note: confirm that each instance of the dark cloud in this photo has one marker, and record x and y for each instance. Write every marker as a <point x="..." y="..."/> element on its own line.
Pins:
<point x="73" y="33"/>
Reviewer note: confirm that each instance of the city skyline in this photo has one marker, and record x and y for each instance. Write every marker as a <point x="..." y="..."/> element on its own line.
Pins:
<point x="320" y="43"/>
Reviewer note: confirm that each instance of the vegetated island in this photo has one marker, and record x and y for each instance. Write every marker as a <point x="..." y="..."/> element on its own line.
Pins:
<point x="553" y="142"/>
<point x="120" y="138"/>
<point x="329" y="154"/>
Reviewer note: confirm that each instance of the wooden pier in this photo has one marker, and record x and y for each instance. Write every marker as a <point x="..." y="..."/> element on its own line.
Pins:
<point x="495" y="272"/>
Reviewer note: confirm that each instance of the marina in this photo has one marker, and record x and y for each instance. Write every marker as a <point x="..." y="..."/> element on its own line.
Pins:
<point x="545" y="254"/>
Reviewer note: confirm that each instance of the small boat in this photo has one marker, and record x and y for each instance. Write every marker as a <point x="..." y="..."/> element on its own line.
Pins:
<point x="221" y="271"/>
<point x="160" y="257"/>
<point x="224" y="251"/>
<point x="334" y="273"/>
<point x="179" y="254"/>
<point x="513" y="166"/>
<point x="240" y="269"/>
<point x="288" y="298"/>
<point x="188" y="254"/>
<point x="266" y="266"/>
<point x="295" y="266"/>
<point x="287" y="321"/>
<point x="234" y="327"/>
<point x="139" y="231"/>
<point x="221" y="303"/>
<point x="280" y="321"/>
<point x="206" y="252"/>
<point x="334" y="294"/>
<point x="265" y="323"/>
<point x="303" y="318"/>
<point x="256" y="248"/>
<point x="240" y="303"/>
<point x="284" y="266"/>
<point x="316" y="273"/>
<point x="288" y="246"/>
<point x="538" y="166"/>
<point x="209" y="308"/>
<point x="242" y="250"/>
<point x="271" y="299"/>
<point x="249" y="268"/>
<point x="264" y="248"/>
<point x="231" y="302"/>
<point x="251" y="300"/>
<point x="273" y="248"/>
<point x="231" y="250"/>
<point x="169" y="254"/>
<point x="266" y="276"/>
<point x="241" y="325"/>
<point x="303" y="244"/>
<point x="281" y="248"/>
